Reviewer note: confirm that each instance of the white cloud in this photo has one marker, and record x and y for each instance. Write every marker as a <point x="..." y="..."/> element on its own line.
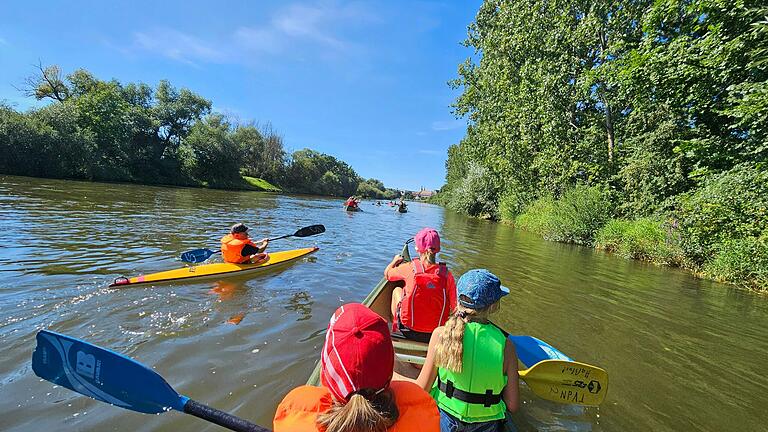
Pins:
<point x="301" y="30"/>
<point x="442" y="125"/>
<point x="315" y="27"/>
<point x="178" y="46"/>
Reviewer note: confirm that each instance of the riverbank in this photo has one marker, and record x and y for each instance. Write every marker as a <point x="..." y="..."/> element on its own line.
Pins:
<point x="718" y="231"/>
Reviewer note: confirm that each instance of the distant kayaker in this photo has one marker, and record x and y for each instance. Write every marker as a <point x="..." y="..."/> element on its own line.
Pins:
<point x="351" y="202"/>
<point x="429" y="294"/>
<point x="357" y="394"/>
<point x="238" y="248"/>
<point x="474" y="363"/>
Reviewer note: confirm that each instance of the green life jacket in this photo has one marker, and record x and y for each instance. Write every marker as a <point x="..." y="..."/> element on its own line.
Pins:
<point x="474" y="395"/>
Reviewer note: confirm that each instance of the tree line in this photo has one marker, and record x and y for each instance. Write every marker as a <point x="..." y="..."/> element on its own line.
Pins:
<point x="109" y="131"/>
<point x="631" y="110"/>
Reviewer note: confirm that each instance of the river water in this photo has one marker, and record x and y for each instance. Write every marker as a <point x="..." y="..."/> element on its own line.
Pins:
<point x="682" y="353"/>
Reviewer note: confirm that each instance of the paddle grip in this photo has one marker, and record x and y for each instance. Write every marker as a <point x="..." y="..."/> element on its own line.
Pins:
<point x="221" y="418"/>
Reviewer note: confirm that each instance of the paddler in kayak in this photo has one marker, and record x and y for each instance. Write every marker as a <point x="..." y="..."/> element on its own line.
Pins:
<point x="238" y="248"/>
<point x="474" y="363"/>
<point x="429" y="294"/>
<point x="351" y="202"/>
<point x="357" y="392"/>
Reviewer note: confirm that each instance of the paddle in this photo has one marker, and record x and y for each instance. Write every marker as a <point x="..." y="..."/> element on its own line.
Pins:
<point x="554" y="376"/>
<point x="560" y="381"/>
<point x="200" y="255"/>
<point x="113" y="378"/>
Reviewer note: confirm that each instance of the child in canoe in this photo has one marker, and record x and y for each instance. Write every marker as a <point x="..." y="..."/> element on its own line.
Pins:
<point x="429" y="294"/>
<point x="357" y="393"/>
<point x="474" y="364"/>
<point x="237" y="248"/>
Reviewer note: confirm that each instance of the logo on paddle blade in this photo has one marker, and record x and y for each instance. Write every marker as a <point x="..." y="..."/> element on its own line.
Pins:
<point x="86" y="365"/>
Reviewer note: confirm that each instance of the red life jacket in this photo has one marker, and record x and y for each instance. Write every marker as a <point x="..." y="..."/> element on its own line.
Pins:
<point x="425" y="306"/>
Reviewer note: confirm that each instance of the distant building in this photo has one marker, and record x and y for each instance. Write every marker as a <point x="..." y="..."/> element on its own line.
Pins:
<point x="423" y="194"/>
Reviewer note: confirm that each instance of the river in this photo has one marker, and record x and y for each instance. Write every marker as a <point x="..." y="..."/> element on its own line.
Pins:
<point x="682" y="353"/>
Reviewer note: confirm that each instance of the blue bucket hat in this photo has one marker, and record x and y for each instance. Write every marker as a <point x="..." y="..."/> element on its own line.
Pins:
<point x="482" y="287"/>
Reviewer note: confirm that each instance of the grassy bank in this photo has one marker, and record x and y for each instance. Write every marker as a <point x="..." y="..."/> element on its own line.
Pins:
<point x="719" y="231"/>
<point x="261" y="184"/>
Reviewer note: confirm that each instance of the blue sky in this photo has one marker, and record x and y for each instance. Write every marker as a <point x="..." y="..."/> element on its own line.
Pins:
<point x="363" y="81"/>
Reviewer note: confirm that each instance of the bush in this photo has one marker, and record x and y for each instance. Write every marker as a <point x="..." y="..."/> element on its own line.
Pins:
<point x="574" y="218"/>
<point x="512" y="204"/>
<point x="732" y="205"/>
<point x="538" y="216"/>
<point x="643" y="239"/>
<point x="476" y="194"/>
<point x="743" y="260"/>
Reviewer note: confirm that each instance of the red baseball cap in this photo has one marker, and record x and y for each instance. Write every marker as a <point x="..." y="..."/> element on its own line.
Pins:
<point x="358" y="352"/>
<point x="427" y="238"/>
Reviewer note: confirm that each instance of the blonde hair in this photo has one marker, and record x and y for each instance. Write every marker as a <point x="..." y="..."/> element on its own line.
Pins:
<point x="428" y="256"/>
<point x="450" y="343"/>
<point x="365" y="411"/>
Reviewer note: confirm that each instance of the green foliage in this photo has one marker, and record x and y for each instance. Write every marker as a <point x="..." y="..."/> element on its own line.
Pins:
<point x="318" y="173"/>
<point x="263" y="152"/>
<point x="730" y="206"/>
<point x="742" y="260"/>
<point x="574" y="218"/>
<point x="643" y="239"/>
<point x="648" y="99"/>
<point x="104" y="130"/>
<point x="476" y="194"/>
<point x="538" y="217"/>
<point x="211" y="155"/>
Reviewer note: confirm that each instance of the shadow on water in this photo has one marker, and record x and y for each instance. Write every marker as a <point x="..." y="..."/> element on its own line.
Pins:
<point x="682" y="353"/>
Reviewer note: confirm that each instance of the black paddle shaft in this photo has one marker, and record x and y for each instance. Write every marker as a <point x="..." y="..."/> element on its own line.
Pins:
<point x="221" y="418"/>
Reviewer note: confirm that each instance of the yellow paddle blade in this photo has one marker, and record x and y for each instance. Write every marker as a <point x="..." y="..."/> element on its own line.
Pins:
<point x="567" y="382"/>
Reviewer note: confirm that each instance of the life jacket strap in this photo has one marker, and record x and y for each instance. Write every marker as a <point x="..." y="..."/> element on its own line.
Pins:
<point x="486" y="399"/>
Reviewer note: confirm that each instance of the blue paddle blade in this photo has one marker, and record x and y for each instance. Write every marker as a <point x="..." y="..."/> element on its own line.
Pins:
<point x="102" y="374"/>
<point x="531" y="350"/>
<point x="197" y="255"/>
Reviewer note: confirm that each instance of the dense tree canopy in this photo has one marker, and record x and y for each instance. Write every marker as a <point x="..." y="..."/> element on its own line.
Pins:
<point x="648" y="96"/>
<point x="647" y="102"/>
<point x="105" y="130"/>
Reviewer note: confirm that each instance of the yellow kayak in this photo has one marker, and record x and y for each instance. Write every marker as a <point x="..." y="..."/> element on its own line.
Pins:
<point x="214" y="270"/>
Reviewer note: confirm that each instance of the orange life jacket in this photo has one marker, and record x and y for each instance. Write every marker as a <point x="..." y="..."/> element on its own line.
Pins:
<point x="232" y="249"/>
<point x="425" y="305"/>
<point x="299" y="409"/>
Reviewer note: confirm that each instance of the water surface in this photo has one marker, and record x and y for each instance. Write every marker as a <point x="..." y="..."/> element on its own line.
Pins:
<point x="682" y="353"/>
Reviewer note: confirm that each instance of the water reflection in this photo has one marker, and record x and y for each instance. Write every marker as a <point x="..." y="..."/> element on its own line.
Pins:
<point x="673" y="345"/>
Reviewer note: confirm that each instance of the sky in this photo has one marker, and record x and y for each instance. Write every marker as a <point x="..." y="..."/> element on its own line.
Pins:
<point x="366" y="82"/>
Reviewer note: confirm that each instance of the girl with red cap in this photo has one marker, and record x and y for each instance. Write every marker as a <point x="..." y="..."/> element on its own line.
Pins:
<point x="429" y="294"/>
<point x="474" y="363"/>
<point x="357" y="393"/>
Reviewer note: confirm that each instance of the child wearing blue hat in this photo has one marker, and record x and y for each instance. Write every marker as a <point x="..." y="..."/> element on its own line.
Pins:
<point x="473" y="362"/>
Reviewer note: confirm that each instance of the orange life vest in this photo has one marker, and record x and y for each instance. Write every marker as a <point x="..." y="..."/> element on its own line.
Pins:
<point x="299" y="409"/>
<point x="232" y="249"/>
<point x="425" y="305"/>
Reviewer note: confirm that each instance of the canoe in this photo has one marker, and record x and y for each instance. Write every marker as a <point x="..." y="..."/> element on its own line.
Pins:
<point x="216" y="270"/>
<point x="402" y="210"/>
<point x="379" y="301"/>
<point x="352" y="209"/>
<point x="409" y="353"/>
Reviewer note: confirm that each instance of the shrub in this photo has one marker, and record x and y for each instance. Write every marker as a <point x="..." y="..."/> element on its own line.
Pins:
<point x="643" y="239"/>
<point x="732" y="205"/>
<point x="537" y="217"/>
<point x="476" y="194"/>
<point x="742" y="260"/>
<point x="574" y="218"/>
